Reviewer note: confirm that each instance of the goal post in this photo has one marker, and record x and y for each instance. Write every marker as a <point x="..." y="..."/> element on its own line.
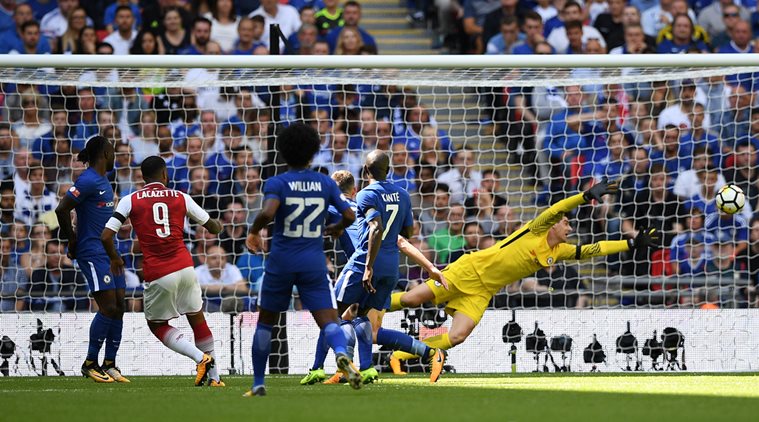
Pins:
<point x="482" y="144"/>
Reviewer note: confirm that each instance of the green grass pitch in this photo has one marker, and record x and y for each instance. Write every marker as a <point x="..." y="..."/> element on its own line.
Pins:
<point x="523" y="397"/>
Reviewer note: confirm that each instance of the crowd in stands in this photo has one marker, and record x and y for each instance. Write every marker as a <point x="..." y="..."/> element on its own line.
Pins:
<point x="673" y="144"/>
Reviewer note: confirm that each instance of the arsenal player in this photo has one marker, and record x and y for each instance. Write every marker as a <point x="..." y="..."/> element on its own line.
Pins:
<point x="158" y="215"/>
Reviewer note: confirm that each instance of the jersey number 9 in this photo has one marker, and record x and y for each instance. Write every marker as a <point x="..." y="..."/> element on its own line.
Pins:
<point x="161" y="217"/>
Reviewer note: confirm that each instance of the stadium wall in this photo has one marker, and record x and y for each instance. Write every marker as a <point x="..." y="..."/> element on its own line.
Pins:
<point x="715" y="340"/>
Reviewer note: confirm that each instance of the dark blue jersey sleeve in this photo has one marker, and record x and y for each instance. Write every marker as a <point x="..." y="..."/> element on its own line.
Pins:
<point x="366" y="202"/>
<point x="83" y="187"/>
<point x="273" y="189"/>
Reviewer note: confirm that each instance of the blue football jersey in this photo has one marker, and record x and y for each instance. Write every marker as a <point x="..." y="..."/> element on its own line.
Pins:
<point x="297" y="241"/>
<point x="349" y="239"/>
<point x="94" y="197"/>
<point x="393" y="204"/>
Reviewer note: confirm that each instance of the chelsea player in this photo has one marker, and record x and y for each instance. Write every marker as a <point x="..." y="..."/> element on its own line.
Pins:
<point x="371" y="274"/>
<point x="297" y="202"/>
<point x="92" y="198"/>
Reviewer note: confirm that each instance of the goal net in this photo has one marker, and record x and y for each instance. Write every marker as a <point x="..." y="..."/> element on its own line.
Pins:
<point x="481" y="146"/>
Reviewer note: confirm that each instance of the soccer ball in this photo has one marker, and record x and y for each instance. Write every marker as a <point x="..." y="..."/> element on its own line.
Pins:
<point x="730" y="199"/>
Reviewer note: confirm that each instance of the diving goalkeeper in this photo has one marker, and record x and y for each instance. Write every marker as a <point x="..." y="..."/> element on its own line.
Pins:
<point x="474" y="278"/>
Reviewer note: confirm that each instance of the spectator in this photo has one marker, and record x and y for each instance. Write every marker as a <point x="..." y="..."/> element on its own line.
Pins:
<point x="6" y="151"/>
<point x="739" y="43"/>
<point x="209" y="131"/>
<point x="30" y="40"/>
<point x="221" y="282"/>
<point x="329" y="17"/>
<point x="700" y="135"/>
<point x="201" y="38"/>
<point x="248" y="188"/>
<point x="337" y="157"/>
<point x="55" y="23"/>
<point x="7" y="205"/>
<point x="654" y="206"/>
<point x="473" y="234"/>
<point x="532" y="27"/>
<point x="704" y="200"/>
<point x="545" y="9"/>
<point x="283" y="14"/>
<point x="504" y="42"/>
<point x="373" y="134"/>
<point x="675" y="155"/>
<point x="35" y="257"/>
<point x="55" y="287"/>
<point x="462" y="178"/>
<point x="450" y="238"/>
<point x="123" y="169"/>
<point x="475" y="12"/>
<point x="221" y="164"/>
<point x="109" y="16"/>
<point x="69" y="41"/>
<point x="431" y="152"/>
<point x="86" y="126"/>
<point x="574" y="36"/>
<point x="753" y="263"/>
<point x="493" y="22"/>
<point x="224" y="24"/>
<point x="681" y="249"/>
<point x="122" y="38"/>
<point x="200" y="191"/>
<point x="678" y="114"/>
<point x="36" y="200"/>
<point x="611" y="24"/>
<point x="723" y="267"/>
<point x="435" y="217"/>
<point x="12" y="278"/>
<point x="720" y="16"/>
<point x="681" y="39"/>
<point x="616" y="164"/>
<point x="175" y="37"/>
<point x="351" y="19"/>
<point x="735" y="119"/>
<point x="558" y="36"/>
<point x="506" y="223"/>
<point x="349" y="42"/>
<point x="728" y="229"/>
<point x="491" y="183"/>
<point x="745" y="173"/>
<point x="403" y="173"/>
<point x="203" y="240"/>
<point x="658" y="17"/>
<point x="485" y="212"/>
<point x="43" y="148"/>
<point x="87" y="41"/>
<point x="635" y="42"/>
<point x="33" y="123"/>
<point x="687" y="182"/>
<point x="11" y="39"/>
<point x="249" y="33"/>
<point x="146" y="143"/>
<point x="232" y="238"/>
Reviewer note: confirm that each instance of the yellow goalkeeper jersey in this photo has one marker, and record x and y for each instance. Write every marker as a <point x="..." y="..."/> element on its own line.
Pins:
<point x="526" y="250"/>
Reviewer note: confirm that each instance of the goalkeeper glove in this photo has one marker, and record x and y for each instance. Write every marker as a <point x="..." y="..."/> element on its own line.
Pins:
<point x="604" y="187"/>
<point x="647" y="237"/>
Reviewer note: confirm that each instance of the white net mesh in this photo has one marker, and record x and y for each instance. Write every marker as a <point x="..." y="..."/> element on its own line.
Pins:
<point x="481" y="151"/>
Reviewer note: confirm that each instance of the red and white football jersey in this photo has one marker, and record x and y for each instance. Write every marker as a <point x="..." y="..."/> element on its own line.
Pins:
<point x="158" y="216"/>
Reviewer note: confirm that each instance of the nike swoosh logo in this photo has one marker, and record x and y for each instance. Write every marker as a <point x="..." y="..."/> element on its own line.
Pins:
<point x="102" y="192"/>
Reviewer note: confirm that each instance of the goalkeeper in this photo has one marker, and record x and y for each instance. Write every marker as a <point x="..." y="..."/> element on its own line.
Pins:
<point x="475" y="277"/>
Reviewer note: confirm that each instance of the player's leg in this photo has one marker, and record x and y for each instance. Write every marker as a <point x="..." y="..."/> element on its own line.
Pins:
<point x="317" y="295"/>
<point x="413" y="298"/>
<point x="273" y="298"/>
<point x="113" y="339"/>
<point x="102" y="288"/>
<point x="165" y="299"/>
<point x="189" y="301"/>
<point x="316" y="373"/>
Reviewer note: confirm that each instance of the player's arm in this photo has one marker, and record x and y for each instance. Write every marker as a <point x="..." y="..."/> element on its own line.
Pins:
<point x="374" y="224"/>
<point x="556" y="212"/>
<point x="418" y="257"/>
<point x="342" y="207"/>
<point x="66" y="230"/>
<point x="264" y="217"/>
<point x="197" y="214"/>
<point x="123" y="209"/>
<point x="646" y="238"/>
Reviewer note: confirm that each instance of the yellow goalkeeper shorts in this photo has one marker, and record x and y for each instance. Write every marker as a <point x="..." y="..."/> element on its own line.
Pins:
<point x="466" y="293"/>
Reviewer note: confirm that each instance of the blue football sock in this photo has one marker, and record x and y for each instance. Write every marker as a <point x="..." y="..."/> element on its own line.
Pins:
<point x="334" y="337"/>
<point x="397" y="340"/>
<point x="350" y="337"/>
<point x="261" y="351"/>
<point x="114" y="339"/>
<point x="99" y="328"/>
<point x="321" y="351"/>
<point x="364" y="335"/>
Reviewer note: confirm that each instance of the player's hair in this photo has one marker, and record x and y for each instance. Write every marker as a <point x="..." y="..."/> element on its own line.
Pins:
<point x="152" y="167"/>
<point x="344" y="179"/>
<point x="92" y="149"/>
<point x="124" y="7"/>
<point x="569" y="4"/>
<point x="573" y="25"/>
<point x="298" y="143"/>
<point x="532" y="15"/>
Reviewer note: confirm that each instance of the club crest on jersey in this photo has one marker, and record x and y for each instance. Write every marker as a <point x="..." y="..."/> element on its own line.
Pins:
<point x="550" y="260"/>
<point x="74" y="191"/>
<point x="107" y="279"/>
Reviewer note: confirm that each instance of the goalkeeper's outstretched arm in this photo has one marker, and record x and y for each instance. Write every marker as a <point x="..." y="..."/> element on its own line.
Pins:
<point x="556" y="212"/>
<point x="646" y="238"/>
